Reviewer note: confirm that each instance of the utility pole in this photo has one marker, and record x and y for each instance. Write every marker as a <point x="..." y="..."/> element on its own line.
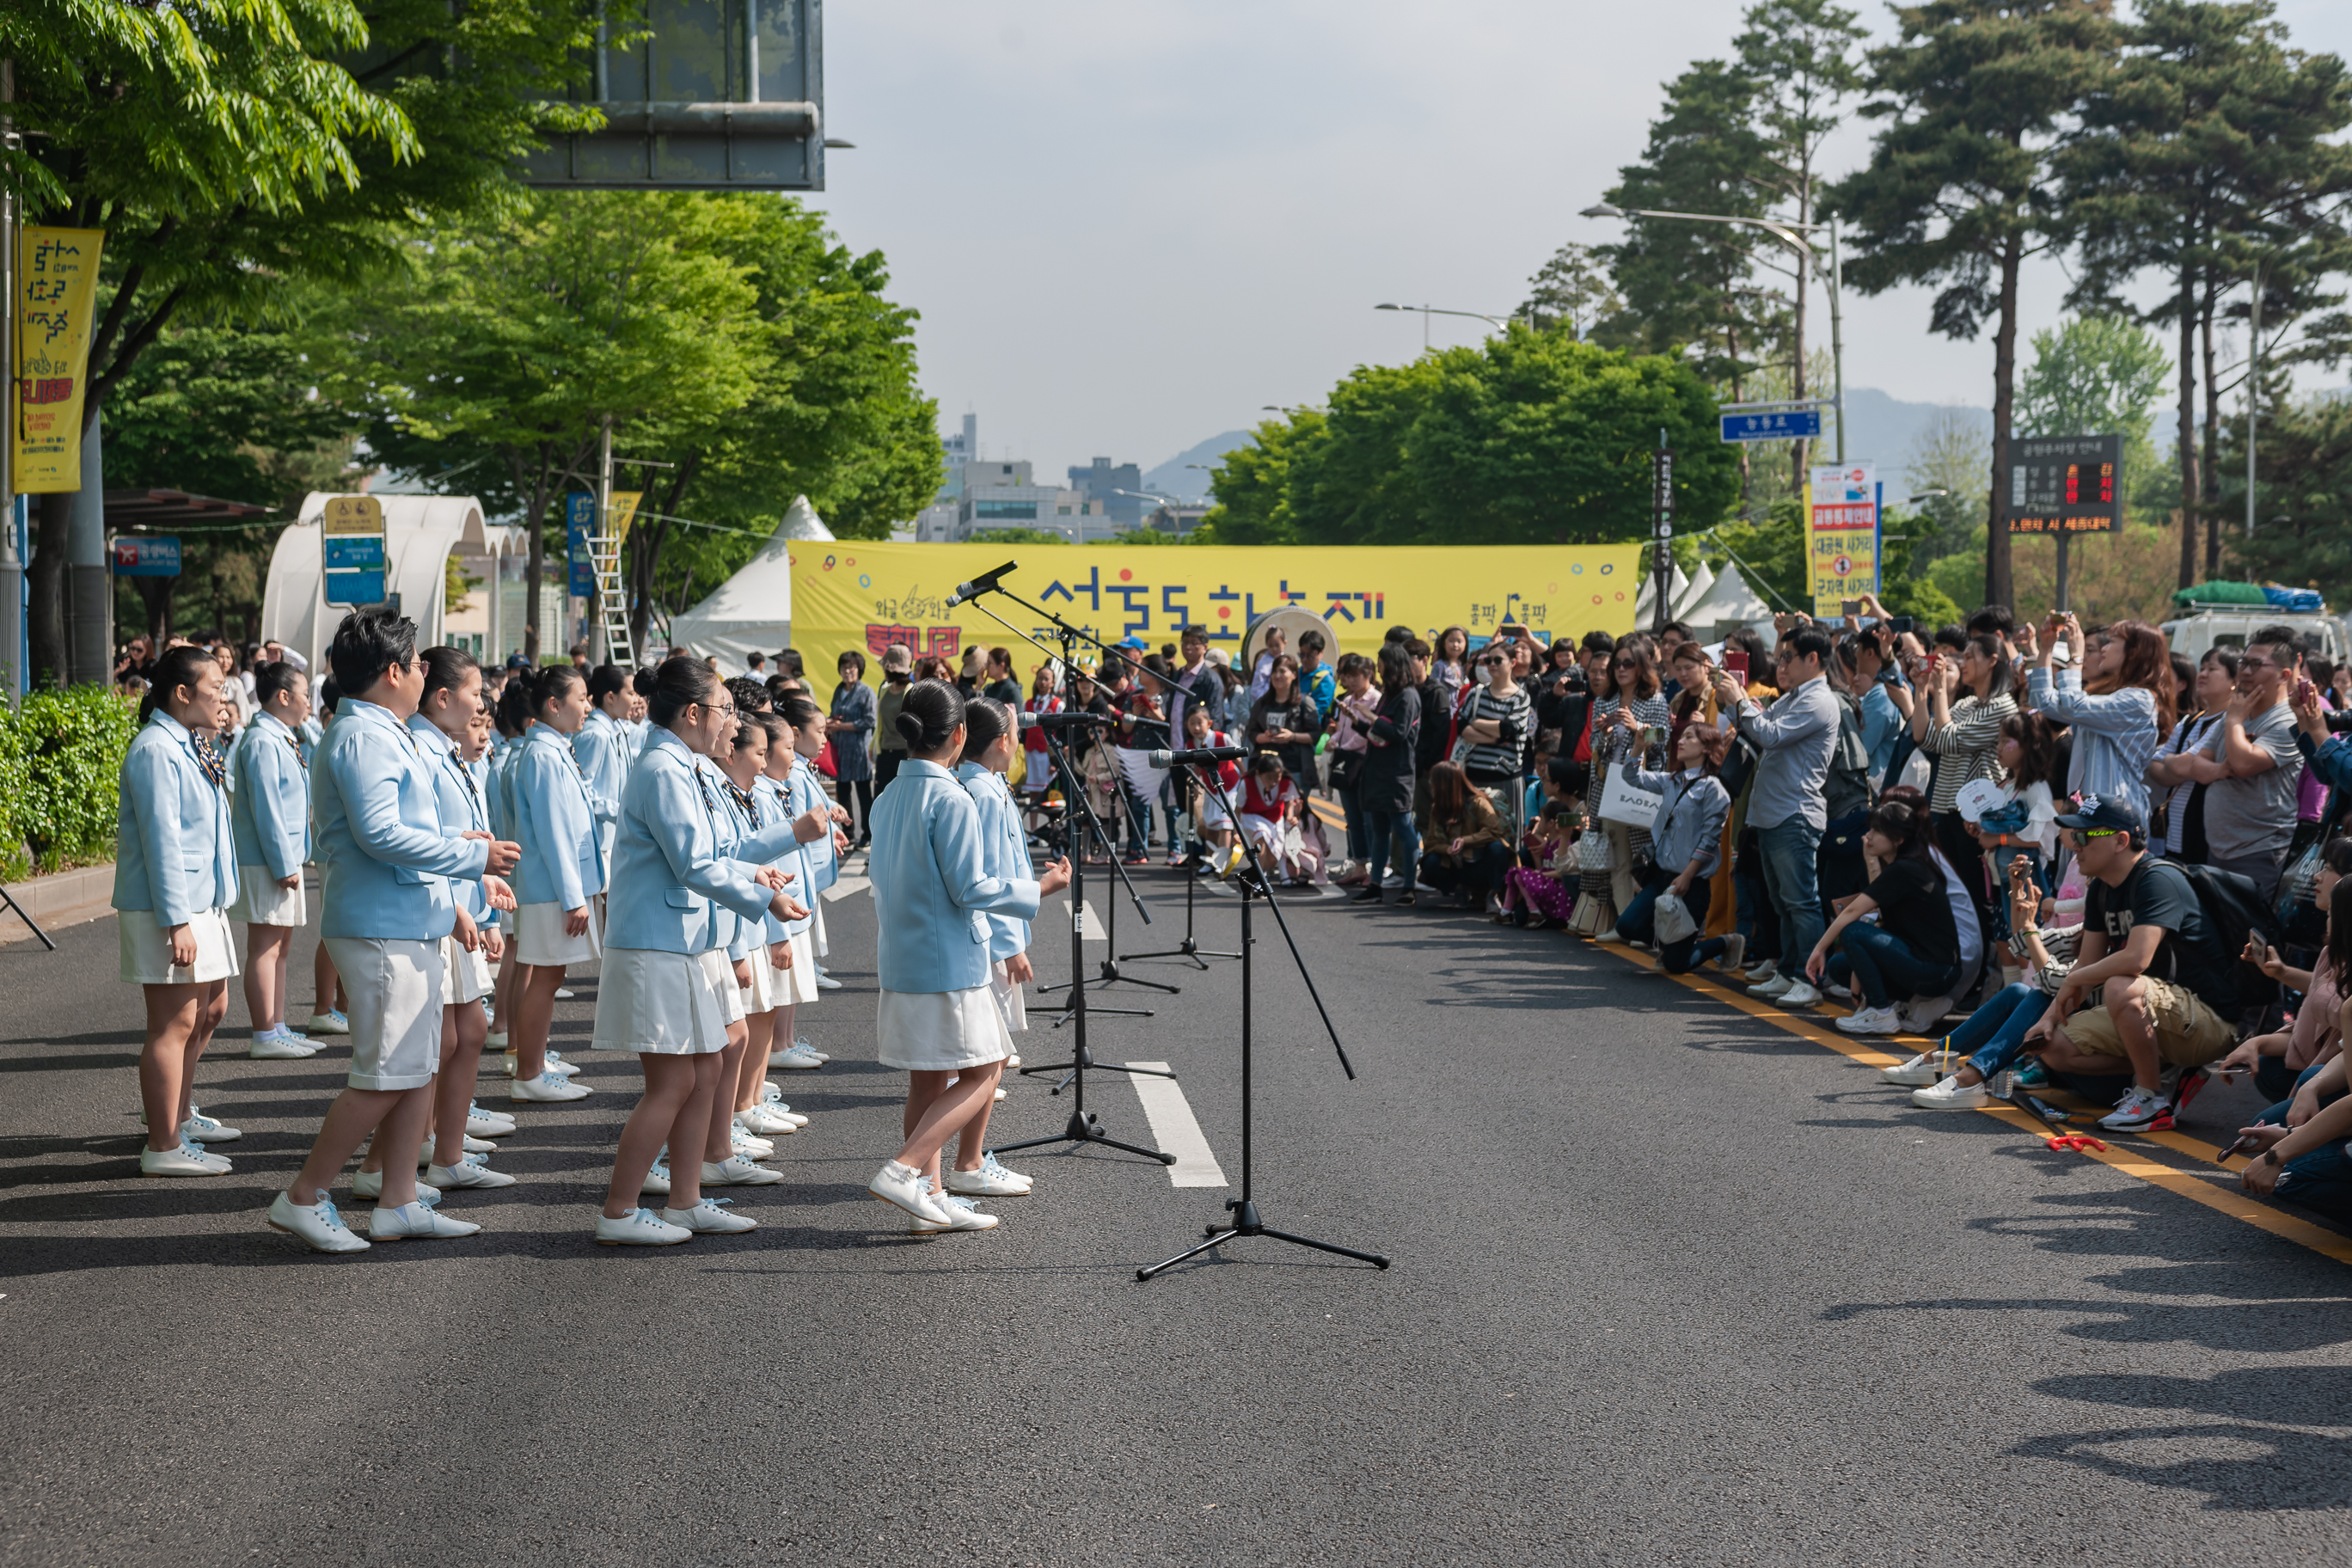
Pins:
<point x="13" y="650"/>
<point x="1662" y="509"/>
<point x="598" y="653"/>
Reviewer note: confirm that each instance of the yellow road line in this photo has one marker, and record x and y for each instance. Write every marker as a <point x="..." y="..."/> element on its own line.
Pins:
<point x="2196" y="1188"/>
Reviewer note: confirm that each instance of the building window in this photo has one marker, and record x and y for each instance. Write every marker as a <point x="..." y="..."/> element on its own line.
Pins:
<point x="1025" y="510"/>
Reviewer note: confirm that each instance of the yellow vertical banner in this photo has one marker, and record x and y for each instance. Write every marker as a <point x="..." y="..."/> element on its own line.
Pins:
<point x="56" y="292"/>
<point x="624" y="512"/>
<point x="1841" y="535"/>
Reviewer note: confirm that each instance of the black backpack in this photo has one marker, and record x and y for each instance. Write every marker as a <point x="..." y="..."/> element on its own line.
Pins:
<point x="2236" y="911"/>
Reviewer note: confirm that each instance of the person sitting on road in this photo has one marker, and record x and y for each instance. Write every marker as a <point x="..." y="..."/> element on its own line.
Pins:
<point x="2168" y="989"/>
<point x="1686" y="849"/>
<point x="1914" y="949"/>
<point x="2285" y="1059"/>
<point x="1270" y="803"/>
<point x="2303" y="1156"/>
<point x="1993" y="1037"/>
<point x="1469" y="845"/>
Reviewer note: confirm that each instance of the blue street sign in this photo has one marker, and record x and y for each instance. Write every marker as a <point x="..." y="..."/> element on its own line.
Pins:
<point x="1786" y="426"/>
<point x="346" y="589"/>
<point x="355" y="553"/>
<point x="579" y="519"/>
<point x="146" y="557"/>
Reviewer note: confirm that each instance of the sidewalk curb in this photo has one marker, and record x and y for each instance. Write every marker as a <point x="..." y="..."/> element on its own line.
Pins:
<point x="64" y="899"/>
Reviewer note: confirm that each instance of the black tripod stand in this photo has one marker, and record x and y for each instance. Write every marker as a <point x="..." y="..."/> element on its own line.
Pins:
<point x="1246" y="1222"/>
<point x="1083" y="1126"/>
<point x="1188" y="949"/>
<point x="1109" y="970"/>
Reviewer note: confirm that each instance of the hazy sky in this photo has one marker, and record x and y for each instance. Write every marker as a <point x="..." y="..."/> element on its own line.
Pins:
<point x="1130" y="225"/>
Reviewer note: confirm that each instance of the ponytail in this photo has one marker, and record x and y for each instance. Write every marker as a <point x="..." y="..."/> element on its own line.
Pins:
<point x="445" y="670"/>
<point x="680" y="683"/>
<point x="179" y="666"/>
<point x="552" y="684"/>
<point x="985" y="721"/>
<point x="928" y="716"/>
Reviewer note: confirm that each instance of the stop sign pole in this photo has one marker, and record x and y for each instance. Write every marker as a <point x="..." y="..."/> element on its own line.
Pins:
<point x="1662" y="533"/>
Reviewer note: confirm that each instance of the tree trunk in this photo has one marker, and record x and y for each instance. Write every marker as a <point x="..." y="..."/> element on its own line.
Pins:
<point x="50" y="658"/>
<point x="2211" y="476"/>
<point x="535" y="561"/>
<point x="1997" y="580"/>
<point x="2185" y="434"/>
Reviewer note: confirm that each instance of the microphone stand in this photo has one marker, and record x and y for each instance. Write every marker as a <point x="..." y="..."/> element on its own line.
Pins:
<point x="1247" y="1222"/>
<point x="1189" y="950"/>
<point x="1108" y="967"/>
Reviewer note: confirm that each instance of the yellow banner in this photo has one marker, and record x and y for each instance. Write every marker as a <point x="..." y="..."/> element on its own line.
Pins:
<point x="1841" y="535"/>
<point x="850" y="594"/>
<point x="58" y="268"/>
<point x="624" y="512"/>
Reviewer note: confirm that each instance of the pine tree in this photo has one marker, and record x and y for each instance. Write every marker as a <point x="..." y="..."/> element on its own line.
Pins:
<point x="1974" y="94"/>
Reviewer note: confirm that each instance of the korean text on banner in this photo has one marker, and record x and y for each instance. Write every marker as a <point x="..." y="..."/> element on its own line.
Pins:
<point x="848" y="593"/>
<point x="1841" y="536"/>
<point x="58" y="273"/>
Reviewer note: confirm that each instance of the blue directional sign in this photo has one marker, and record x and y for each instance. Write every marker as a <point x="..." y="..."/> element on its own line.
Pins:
<point x="355" y="553"/>
<point x="353" y="588"/>
<point x="146" y="557"/>
<point x="579" y="521"/>
<point x="1792" y="424"/>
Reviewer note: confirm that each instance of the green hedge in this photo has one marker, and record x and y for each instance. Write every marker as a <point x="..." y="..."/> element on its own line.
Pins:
<point x="60" y="758"/>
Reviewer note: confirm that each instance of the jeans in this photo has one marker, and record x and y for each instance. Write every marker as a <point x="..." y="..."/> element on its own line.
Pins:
<point x="1754" y="918"/>
<point x="1789" y="850"/>
<point x="1883" y="965"/>
<point x="1994" y="1032"/>
<point x="1351" y="801"/>
<point x="2321" y="1180"/>
<point x="1639" y="923"/>
<point x="1480" y="870"/>
<point x="1387" y="830"/>
<point x="2276" y="1114"/>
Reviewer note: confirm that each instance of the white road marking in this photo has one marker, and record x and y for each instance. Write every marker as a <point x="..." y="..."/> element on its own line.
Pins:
<point x="1174" y="1129"/>
<point x="845" y="887"/>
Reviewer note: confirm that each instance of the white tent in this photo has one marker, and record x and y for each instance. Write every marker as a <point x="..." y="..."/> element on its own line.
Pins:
<point x="753" y="610"/>
<point x="1693" y="592"/>
<point x="1675" y="585"/>
<point x="1728" y="599"/>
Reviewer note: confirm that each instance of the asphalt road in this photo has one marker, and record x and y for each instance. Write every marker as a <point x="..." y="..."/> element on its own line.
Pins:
<point x="1670" y="1286"/>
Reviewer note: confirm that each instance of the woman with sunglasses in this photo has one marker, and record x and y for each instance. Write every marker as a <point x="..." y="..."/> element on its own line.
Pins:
<point x="1636" y="703"/>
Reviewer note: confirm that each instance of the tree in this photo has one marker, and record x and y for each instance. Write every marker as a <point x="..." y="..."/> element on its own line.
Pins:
<point x="1251" y="482"/>
<point x="1572" y="290"/>
<point x="1947" y="468"/>
<point x="2210" y="132"/>
<point x="236" y="149"/>
<point x="1972" y="94"/>
<point x="502" y="350"/>
<point x="1771" y="554"/>
<point x="2096" y="376"/>
<point x="2306" y="535"/>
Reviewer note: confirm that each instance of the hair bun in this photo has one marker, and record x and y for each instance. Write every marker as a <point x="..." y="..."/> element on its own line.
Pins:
<point x="910" y="729"/>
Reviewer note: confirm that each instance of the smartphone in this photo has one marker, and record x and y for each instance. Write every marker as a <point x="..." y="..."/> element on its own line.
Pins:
<point x="1851" y="606"/>
<point x="1898" y="625"/>
<point x="1735" y="664"/>
<point x="1653" y="735"/>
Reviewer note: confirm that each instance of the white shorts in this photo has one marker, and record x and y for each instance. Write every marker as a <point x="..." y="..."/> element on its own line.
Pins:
<point x="1261" y="831"/>
<point x="539" y="939"/>
<point x="396" y="987"/>
<point x="663" y="1004"/>
<point x="468" y="975"/>
<point x="147" y="952"/>
<point x="760" y="995"/>
<point x="942" y="1031"/>
<point x="1009" y="999"/>
<point x="260" y="901"/>
<point x="796" y="987"/>
<point x="1214" y="814"/>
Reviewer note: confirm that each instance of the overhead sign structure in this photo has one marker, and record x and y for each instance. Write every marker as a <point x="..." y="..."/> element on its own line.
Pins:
<point x="136" y="557"/>
<point x="2064" y="485"/>
<point x="1841" y="509"/>
<point x="56" y="272"/>
<point x="350" y="535"/>
<point x="1792" y="424"/>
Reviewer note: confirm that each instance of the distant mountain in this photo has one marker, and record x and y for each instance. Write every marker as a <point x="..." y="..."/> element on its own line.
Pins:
<point x="1883" y="429"/>
<point x="1173" y="479"/>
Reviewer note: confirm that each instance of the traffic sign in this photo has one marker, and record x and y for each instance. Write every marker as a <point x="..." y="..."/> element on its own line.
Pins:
<point x="2064" y="484"/>
<point x="579" y="523"/>
<point x="158" y="557"/>
<point x="351" y="549"/>
<point x="1790" y="425"/>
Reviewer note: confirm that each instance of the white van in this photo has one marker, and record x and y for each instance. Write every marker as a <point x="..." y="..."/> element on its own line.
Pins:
<point x="2229" y="626"/>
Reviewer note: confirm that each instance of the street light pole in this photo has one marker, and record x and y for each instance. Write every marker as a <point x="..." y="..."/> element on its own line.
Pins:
<point x="1500" y="324"/>
<point x="1789" y="234"/>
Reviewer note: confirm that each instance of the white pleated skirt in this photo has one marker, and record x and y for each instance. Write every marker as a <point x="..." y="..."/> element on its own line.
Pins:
<point x="146" y="952"/>
<point x="540" y="940"/>
<point x="796" y="987"/>
<point x="942" y="1031"/>
<point x="468" y="973"/>
<point x="664" y="1004"/>
<point x="760" y="995"/>
<point x="1009" y="1002"/>
<point x="260" y="901"/>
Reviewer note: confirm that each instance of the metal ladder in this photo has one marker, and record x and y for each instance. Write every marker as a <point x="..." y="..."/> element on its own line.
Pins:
<point x="611" y="600"/>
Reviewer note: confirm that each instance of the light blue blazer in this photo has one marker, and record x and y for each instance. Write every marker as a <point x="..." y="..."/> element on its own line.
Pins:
<point x="175" y="853"/>
<point x="1005" y="847"/>
<point x="555" y="822"/>
<point x="932" y="890"/>
<point x="603" y="747"/>
<point x="741" y="935"/>
<point x="389" y="856"/>
<point x="671" y="878"/>
<point x="776" y="798"/>
<point x="808" y="795"/>
<point x="271" y="815"/>
<point x="459" y="797"/>
<point x="495" y="768"/>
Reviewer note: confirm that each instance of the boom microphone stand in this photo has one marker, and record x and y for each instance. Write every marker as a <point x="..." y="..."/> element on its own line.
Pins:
<point x="1247" y="1222"/>
<point x="1189" y="950"/>
<point x="1108" y="967"/>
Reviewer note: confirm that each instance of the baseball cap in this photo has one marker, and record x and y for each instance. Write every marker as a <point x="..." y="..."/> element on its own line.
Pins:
<point x="1130" y="641"/>
<point x="1219" y="656"/>
<point x="2104" y="814"/>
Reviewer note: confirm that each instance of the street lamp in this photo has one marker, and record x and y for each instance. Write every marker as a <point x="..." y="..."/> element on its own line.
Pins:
<point x="1792" y="235"/>
<point x="1168" y="501"/>
<point x="1500" y="324"/>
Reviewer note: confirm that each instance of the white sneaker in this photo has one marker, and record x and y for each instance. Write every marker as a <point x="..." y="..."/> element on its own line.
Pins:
<point x="1735" y="948"/>
<point x="1923" y="1015"/>
<point x="277" y="1047"/>
<point x="467" y="1174"/>
<point x="481" y="1123"/>
<point x="803" y="1045"/>
<point x="639" y="1228"/>
<point x="656" y="1180"/>
<point x="1951" y="1094"/>
<point x="555" y="1063"/>
<point x="1867" y="1021"/>
<point x="317" y="1225"/>
<point x="416" y="1222"/>
<point x="749" y="1143"/>
<point x="1772" y="990"/>
<point x="2138" y="1112"/>
<point x="1611" y="934"/>
<point x="333" y="1022"/>
<point x="708" y="1217"/>
<point x="963" y="1214"/>
<point x="497" y="1041"/>
<point x="991" y="1181"/>
<point x="1842" y="993"/>
<point x="369" y="1184"/>
<point x="478" y="1145"/>
<point x="825" y="982"/>
<point x="1800" y="994"/>
<point x="999" y="1094"/>
<point x="1920" y="1071"/>
<point x="796" y="1057"/>
<point x="735" y="1171"/>
<point x="548" y="1087"/>
<point x="564" y="993"/>
<point x="903" y="1186"/>
<point x="201" y="1129"/>
<point x="764" y="1121"/>
<point x="1762" y="972"/>
<point x="184" y="1161"/>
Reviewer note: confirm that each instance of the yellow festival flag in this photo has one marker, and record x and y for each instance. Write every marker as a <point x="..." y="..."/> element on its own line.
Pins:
<point x="623" y="513"/>
<point x="847" y="593"/>
<point x="58" y="269"/>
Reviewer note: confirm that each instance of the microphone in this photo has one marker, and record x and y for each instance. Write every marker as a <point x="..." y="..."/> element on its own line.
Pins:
<point x="1064" y="721"/>
<point x="1200" y="754"/>
<point x="967" y="592"/>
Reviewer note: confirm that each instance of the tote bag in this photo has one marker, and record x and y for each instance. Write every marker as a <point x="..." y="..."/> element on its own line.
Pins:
<point x="1627" y="802"/>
